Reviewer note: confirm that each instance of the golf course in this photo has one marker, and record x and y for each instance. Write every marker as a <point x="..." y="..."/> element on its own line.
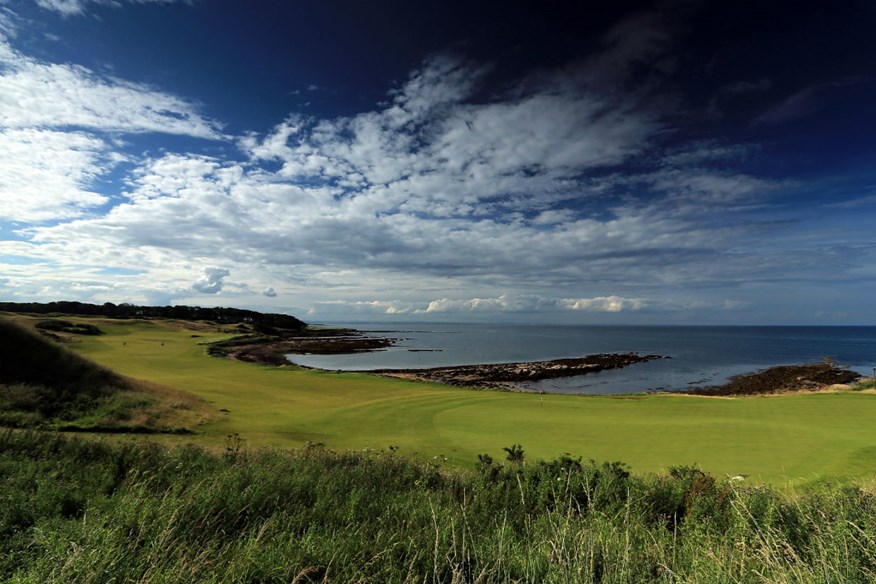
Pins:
<point x="136" y="450"/>
<point x="789" y="439"/>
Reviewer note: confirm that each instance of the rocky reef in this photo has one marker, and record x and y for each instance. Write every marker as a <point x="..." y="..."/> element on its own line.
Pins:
<point x="507" y="375"/>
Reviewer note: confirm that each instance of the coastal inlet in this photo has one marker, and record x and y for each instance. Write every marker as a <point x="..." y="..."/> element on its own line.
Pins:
<point x="519" y="375"/>
<point x="271" y="350"/>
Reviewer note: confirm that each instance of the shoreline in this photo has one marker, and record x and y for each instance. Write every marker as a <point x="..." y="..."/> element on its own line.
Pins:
<point x="780" y="379"/>
<point x="509" y="376"/>
<point x="273" y="351"/>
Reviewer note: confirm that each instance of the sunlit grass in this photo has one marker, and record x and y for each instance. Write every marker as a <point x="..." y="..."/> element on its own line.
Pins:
<point x="794" y="439"/>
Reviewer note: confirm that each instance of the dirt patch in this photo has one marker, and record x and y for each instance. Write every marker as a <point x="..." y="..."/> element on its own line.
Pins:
<point x="782" y="379"/>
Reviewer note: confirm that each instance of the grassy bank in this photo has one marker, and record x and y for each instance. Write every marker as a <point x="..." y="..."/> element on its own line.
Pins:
<point x="45" y="384"/>
<point x="796" y="438"/>
<point x="77" y="511"/>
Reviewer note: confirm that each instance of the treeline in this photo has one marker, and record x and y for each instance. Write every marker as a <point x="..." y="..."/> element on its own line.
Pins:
<point x="218" y="314"/>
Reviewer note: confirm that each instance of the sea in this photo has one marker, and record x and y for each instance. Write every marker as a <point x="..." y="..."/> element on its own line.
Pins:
<point x="698" y="356"/>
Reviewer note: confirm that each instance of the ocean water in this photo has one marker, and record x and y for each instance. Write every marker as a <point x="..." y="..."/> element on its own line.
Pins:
<point x="699" y="355"/>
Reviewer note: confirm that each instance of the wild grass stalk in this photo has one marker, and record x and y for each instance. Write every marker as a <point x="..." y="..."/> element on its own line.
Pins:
<point x="80" y="511"/>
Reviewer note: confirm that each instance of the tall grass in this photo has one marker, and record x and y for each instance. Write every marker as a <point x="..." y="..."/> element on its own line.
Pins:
<point x="81" y="511"/>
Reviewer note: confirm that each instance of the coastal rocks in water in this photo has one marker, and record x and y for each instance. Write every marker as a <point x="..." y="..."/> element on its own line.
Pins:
<point x="336" y="345"/>
<point x="782" y="379"/>
<point x="505" y="375"/>
<point x="272" y="349"/>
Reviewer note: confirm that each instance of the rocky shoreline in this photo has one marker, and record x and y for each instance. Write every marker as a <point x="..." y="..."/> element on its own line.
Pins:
<point x="510" y="375"/>
<point x="272" y="349"/>
<point x="781" y="379"/>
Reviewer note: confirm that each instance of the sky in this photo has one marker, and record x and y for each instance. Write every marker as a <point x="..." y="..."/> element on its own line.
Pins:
<point x="662" y="162"/>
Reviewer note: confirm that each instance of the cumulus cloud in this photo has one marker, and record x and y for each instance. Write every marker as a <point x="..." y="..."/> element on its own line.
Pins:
<point x="442" y="199"/>
<point x="60" y="128"/>
<point x="430" y="142"/>
<point x="47" y="175"/>
<point x="500" y="303"/>
<point x="49" y="95"/>
<point x="212" y="281"/>
<point x="603" y="304"/>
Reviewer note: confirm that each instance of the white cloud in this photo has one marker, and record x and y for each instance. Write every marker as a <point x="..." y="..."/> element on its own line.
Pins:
<point x="554" y="217"/>
<point x="603" y="304"/>
<point x="47" y="95"/>
<point x="54" y="121"/>
<point x="711" y="188"/>
<point x="432" y="152"/>
<point x="442" y="82"/>
<point x="46" y="174"/>
<point x="212" y="281"/>
<point x="441" y="203"/>
<point x="500" y="303"/>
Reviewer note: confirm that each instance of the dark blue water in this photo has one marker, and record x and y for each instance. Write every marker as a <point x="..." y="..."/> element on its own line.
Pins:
<point x="700" y="356"/>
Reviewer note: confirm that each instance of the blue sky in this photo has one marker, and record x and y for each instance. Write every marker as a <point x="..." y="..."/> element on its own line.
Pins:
<point x="683" y="162"/>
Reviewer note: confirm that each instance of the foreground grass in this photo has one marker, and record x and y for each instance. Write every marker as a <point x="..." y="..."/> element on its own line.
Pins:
<point x="77" y="511"/>
<point x="796" y="439"/>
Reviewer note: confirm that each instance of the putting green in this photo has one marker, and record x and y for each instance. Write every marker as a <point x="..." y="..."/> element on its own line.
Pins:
<point x="796" y="438"/>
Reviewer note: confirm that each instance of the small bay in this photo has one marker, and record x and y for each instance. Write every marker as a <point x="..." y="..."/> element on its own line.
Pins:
<point x="699" y="355"/>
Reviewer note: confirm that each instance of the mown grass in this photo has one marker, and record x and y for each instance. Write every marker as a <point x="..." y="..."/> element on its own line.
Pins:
<point x="83" y="511"/>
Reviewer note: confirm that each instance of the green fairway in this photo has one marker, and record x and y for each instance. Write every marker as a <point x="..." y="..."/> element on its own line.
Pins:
<point x="795" y="438"/>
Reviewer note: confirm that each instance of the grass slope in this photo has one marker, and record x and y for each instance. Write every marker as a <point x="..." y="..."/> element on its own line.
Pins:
<point x="45" y="384"/>
<point x="795" y="438"/>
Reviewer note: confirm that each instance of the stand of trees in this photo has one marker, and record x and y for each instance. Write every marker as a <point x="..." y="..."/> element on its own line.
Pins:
<point x="125" y="310"/>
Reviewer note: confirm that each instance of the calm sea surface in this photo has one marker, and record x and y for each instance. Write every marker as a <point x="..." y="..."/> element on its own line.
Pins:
<point x="699" y="355"/>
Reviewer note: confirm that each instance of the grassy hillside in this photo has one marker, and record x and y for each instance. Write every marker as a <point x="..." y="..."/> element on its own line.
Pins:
<point x="45" y="384"/>
<point x="95" y="512"/>
<point x="795" y="438"/>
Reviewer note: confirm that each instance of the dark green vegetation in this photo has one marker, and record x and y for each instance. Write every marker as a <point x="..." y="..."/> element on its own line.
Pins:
<point x="63" y="326"/>
<point x="110" y="310"/>
<point x="81" y="511"/>
<point x="43" y="384"/>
